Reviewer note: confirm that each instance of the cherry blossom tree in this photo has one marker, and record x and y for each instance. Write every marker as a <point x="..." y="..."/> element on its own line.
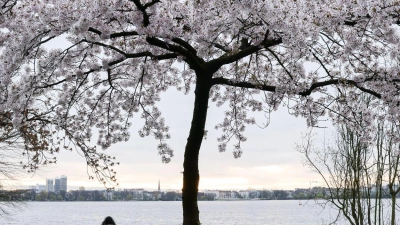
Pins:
<point x="314" y="57"/>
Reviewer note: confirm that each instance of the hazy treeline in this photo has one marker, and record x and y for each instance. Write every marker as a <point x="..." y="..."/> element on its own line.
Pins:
<point x="127" y="195"/>
<point x="100" y="195"/>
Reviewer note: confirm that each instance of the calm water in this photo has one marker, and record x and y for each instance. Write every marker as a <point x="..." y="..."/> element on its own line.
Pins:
<point x="167" y="213"/>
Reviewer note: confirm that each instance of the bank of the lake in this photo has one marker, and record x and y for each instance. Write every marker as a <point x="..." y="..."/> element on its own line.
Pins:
<point x="272" y="212"/>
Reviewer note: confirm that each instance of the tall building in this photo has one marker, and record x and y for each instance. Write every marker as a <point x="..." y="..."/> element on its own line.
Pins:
<point x="49" y="185"/>
<point x="57" y="184"/>
<point x="63" y="183"/>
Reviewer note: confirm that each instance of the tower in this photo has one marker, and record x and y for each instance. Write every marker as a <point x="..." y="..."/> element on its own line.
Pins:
<point x="57" y="184"/>
<point x="158" y="185"/>
<point x="63" y="183"/>
<point x="49" y="185"/>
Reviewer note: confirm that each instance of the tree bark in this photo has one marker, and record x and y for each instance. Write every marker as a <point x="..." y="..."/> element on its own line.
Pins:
<point x="393" y="213"/>
<point x="191" y="175"/>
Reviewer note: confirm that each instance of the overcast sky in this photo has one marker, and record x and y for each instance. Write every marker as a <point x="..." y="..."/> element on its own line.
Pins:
<point x="269" y="158"/>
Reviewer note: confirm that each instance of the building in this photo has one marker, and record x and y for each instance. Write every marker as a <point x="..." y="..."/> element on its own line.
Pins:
<point x="214" y="193"/>
<point x="49" y="185"/>
<point x="57" y="184"/>
<point x="244" y="194"/>
<point x="137" y="193"/>
<point x="108" y="195"/>
<point x="38" y="188"/>
<point x="227" y="195"/>
<point x="256" y="194"/>
<point x="63" y="183"/>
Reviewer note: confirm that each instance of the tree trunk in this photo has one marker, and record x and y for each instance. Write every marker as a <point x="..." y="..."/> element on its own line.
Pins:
<point x="191" y="175"/>
<point x="393" y="214"/>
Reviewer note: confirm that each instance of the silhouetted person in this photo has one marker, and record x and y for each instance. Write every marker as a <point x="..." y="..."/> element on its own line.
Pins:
<point x="108" y="221"/>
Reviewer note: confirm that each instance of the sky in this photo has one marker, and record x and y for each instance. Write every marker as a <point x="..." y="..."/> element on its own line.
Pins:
<point x="269" y="159"/>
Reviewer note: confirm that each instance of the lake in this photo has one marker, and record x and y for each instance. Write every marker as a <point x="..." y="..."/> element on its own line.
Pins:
<point x="286" y="212"/>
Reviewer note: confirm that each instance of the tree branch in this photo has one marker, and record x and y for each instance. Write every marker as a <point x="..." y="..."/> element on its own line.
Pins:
<point x="114" y="35"/>
<point x="221" y="47"/>
<point x="228" y="82"/>
<point x="193" y="61"/>
<point x="227" y="59"/>
<point x="133" y="55"/>
<point x="270" y="88"/>
<point x="185" y="45"/>
<point x="142" y="8"/>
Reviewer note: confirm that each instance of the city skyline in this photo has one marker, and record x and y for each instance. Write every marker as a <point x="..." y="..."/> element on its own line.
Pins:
<point x="56" y="184"/>
<point x="51" y="188"/>
<point x="40" y="187"/>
